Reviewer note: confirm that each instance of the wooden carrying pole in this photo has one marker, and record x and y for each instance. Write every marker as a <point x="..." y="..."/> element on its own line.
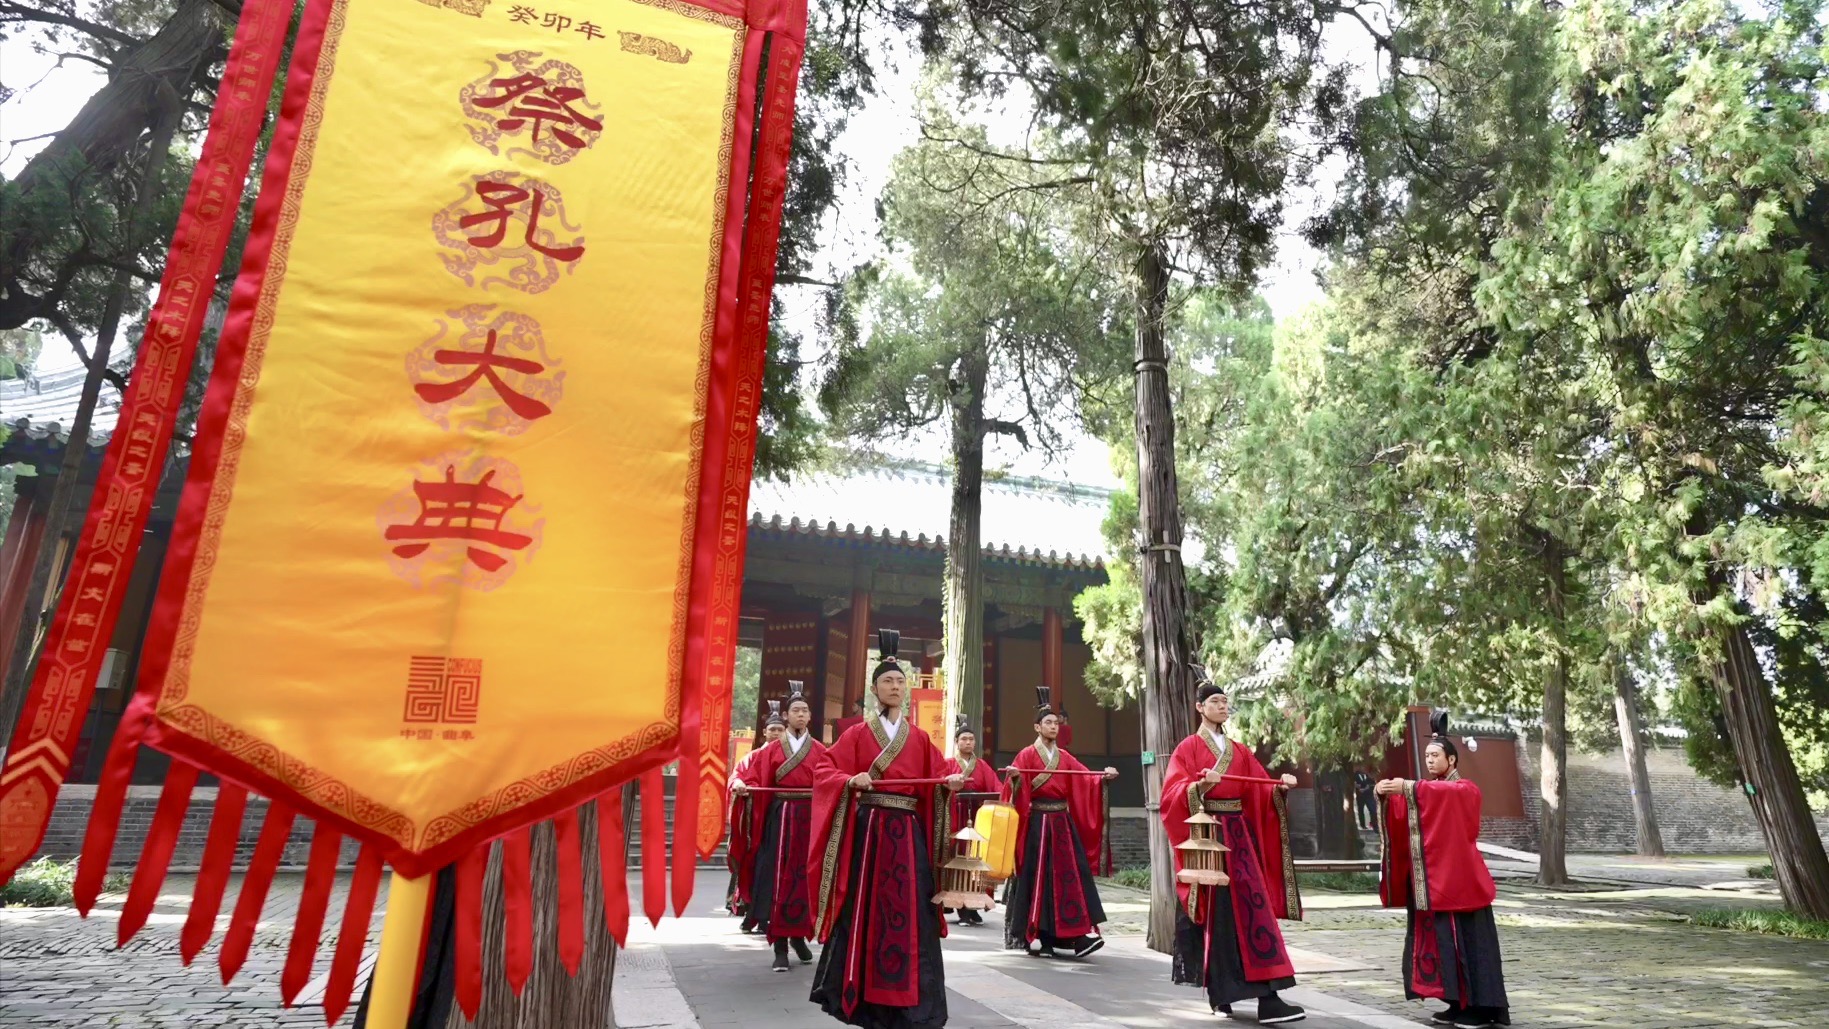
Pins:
<point x="397" y="966"/>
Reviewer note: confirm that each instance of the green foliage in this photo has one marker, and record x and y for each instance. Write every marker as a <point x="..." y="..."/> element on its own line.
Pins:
<point x="1130" y="878"/>
<point x="46" y="883"/>
<point x="1338" y="882"/>
<point x="984" y="312"/>
<point x="1763" y="920"/>
<point x="746" y="688"/>
<point x="1760" y="871"/>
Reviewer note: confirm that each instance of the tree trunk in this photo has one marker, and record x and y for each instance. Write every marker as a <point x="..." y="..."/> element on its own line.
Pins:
<point x="1167" y="705"/>
<point x="553" y="998"/>
<point x="1772" y="786"/>
<point x="964" y="590"/>
<point x="1632" y="743"/>
<point x="17" y="680"/>
<point x="104" y="132"/>
<point x="1552" y="861"/>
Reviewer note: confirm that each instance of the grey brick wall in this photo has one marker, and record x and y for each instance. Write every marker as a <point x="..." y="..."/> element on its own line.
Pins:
<point x="70" y="822"/>
<point x="1130" y="837"/>
<point x="1694" y="815"/>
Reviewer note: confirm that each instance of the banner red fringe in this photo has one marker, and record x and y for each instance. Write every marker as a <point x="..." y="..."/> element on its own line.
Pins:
<point x="313" y="902"/>
<point x="654" y="845"/>
<point x="254" y="886"/>
<point x="105" y="811"/>
<point x="517" y="907"/>
<point x="352" y="938"/>
<point x="570" y="868"/>
<point x="468" y="945"/>
<point x="213" y="874"/>
<point x="612" y="857"/>
<point x="155" y="854"/>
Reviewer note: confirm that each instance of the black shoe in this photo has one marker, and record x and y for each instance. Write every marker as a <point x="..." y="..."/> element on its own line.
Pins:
<point x="1471" y="1018"/>
<point x="1447" y="1015"/>
<point x="748" y="926"/>
<point x="1087" y="945"/>
<point x="1274" y="1010"/>
<point x="1223" y="1009"/>
<point x="969" y="916"/>
<point x="781" y="956"/>
<point x="802" y="951"/>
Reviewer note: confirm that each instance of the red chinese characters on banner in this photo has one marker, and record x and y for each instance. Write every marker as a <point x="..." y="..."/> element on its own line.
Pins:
<point x="495" y="376"/>
<point x="533" y="107"/>
<point x="509" y="229"/>
<point x="463" y="520"/>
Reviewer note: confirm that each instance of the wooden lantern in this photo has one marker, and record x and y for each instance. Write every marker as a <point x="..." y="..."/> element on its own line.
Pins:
<point x="1203" y="860"/>
<point x="964" y="879"/>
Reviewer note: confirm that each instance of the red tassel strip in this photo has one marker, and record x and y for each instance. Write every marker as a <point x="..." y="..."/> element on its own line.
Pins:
<point x="110" y="798"/>
<point x="358" y="910"/>
<point x="469" y="943"/>
<point x="571" y="889"/>
<point x="612" y="859"/>
<point x="653" y="845"/>
<point x="517" y="907"/>
<point x="213" y="875"/>
<point x="254" y="886"/>
<point x="155" y="854"/>
<point x="320" y="875"/>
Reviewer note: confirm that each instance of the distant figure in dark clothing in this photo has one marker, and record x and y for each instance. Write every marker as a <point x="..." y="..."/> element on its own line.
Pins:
<point x="1367" y="806"/>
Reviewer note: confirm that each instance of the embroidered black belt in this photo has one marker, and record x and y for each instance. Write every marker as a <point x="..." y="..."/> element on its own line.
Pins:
<point x="795" y="795"/>
<point x="1225" y="806"/>
<point x="891" y="800"/>
<point x="1048" y="805"/>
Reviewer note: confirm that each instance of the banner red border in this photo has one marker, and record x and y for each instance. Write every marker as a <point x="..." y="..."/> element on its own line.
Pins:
<point x="218" y="408"/>
<point x="89" y="608"/>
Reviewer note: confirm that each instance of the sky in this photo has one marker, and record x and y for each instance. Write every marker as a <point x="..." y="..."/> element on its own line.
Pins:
<point x="47" y="96"/>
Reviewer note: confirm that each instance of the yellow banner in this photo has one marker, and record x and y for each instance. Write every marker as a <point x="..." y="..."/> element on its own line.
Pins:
<point x="447" y="558"/>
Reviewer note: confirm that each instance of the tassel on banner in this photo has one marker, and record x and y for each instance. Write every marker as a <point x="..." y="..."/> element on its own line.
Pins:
<point x="213" y="873"/>
<point x="612" y="860"/>
<point x="569" y="864"/>
<point x="155" y="853"/>
<point x="313" y="902"/>
<point x="471" y="869"/>
<point x="517" y="907"/>
<point x="653" y="845"/>
<point x="110" y="799"/>
<point x="353" y="937"/>
<point x="254" y="886"/>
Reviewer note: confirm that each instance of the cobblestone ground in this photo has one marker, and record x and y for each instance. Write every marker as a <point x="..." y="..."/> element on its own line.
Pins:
<point x="1614" y="958"/>
<point x="61" y="971"/>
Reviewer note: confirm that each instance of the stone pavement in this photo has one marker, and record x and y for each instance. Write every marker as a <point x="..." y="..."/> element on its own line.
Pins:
<point x="1573" y="959"/>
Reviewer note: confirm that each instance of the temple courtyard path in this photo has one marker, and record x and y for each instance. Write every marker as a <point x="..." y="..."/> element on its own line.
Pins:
<point x="1612" y="956"/>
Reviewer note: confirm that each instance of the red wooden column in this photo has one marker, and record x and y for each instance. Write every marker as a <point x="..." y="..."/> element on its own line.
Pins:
<point x="987" y="733"/>
<point x="857" y="658"/>
<point x="1052" y="642"/>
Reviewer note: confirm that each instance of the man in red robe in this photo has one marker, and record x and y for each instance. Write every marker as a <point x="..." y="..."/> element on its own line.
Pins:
<point x="775" y="879"/>
<point x="1226" y="937"/>
<point x="873" y="850"/>
<point x="1052" y="903"/>
<point x="1433" y="867"/>
<point x="737" y="852"/>
<point x="980" y="785"/>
